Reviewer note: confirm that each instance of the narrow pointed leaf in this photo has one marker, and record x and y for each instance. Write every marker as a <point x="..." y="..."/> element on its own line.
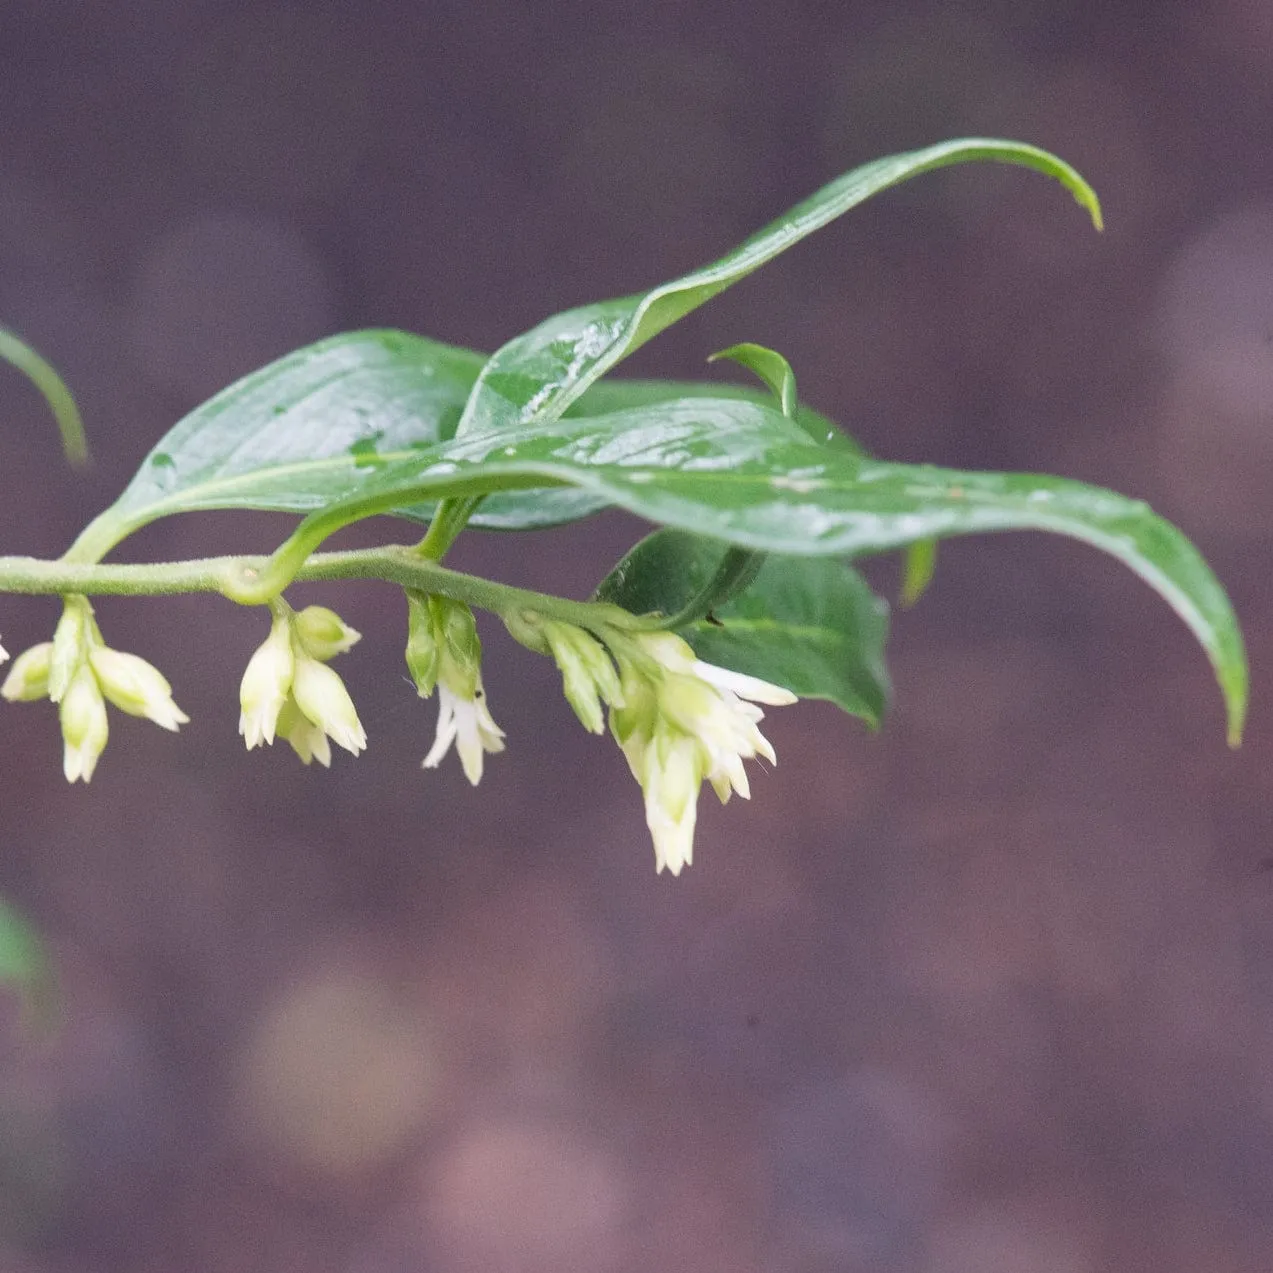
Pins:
<point x="740" y="472"/>
<point x="536" y="376"/>
<point x="811" y="624"/>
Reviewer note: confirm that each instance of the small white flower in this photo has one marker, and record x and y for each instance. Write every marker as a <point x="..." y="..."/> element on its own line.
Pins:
<point x="84" y="725"/>
<point x="468" y="723"/>
<point x="323" y="699"/>
<point x="266" y="684"/>
<point x="135" y="686"/>
<point x="4" y="654"/>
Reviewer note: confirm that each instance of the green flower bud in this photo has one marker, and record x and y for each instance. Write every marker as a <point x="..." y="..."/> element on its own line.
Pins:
<point x="323" y="634"/>
<point x="28" y="678"/>
<point x="422" y="653"/>
<point x="588" y="675"/>
<point x="455" y="631"/>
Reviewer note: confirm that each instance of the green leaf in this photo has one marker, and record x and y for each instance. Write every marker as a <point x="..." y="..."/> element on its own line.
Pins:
<point x="810" y="624"/>
<point x="918" y="568"/>
<point x="770" y="366"/>
<point x="536" y="376"/>
<point x="56" y="394"/>
<point x="25" y="964"/>
<point x="738" y="471"/>
<point x="313" y="428"/>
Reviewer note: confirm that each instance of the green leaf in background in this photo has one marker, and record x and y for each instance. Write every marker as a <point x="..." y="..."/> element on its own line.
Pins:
<point x="25" y="965"/>
<point x="56" y="394"/>
<point x="536" y="376"/>
<point x="918" y="568"/>
<point x="311" y="428"/>
<point x="808" y="623"/>
<point x="738" y="471"/>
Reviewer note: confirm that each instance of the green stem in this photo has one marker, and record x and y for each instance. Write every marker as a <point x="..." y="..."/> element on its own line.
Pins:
<point x="238" y="579"/>
<point x="449" y="518"/>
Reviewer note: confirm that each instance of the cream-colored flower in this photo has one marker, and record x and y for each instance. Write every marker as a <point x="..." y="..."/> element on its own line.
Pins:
<point x="80" y="672"/>
<point x="683" y="721"/>
<point x="28" y="678"/>
<point x="136" y="687"/>
<point x="323" y="699"/>
<point x="444" y="651"/>
<point x="84" y="725"/>
<point x="266" y="683"/>
<point x="467" y="722"/>
<point x="287" y="689"/>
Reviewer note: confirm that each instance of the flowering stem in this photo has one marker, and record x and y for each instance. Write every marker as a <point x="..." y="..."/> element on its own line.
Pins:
<point x="236" y="578"/>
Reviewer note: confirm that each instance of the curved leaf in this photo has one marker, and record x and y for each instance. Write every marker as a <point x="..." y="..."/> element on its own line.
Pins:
<point x="811" y="624"/>
<point x="312" y="428"/>
<point x="740" y="472"/>
<point x="770" y="366"/>
<point x="61" y="402"/>
<point x="536" y="376"/>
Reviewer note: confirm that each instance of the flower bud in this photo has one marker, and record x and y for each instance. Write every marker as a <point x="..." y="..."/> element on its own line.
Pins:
<point x="135" y="686"/>
<point x="307" y="740"/>
<point x="28" y="678"/>
<point x="71" y="640"/>
<point x="588" y="676"/>
<point x="84" y="725"/>
<point x="323" y="634"/>
<point x="455" y="630"/>
<point x="323" y="699"/>
<point x="422" y="653"/>
<point x="266" y="683"/>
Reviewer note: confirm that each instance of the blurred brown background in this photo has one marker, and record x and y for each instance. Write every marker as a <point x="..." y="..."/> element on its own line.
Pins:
<point x="988" y="993"/>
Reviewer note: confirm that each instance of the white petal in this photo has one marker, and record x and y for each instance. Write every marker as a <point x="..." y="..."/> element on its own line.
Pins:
<point x="744" y="686"/>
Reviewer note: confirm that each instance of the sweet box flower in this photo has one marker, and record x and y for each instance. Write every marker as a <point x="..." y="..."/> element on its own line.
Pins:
<point x="444" y="650"/>
<point x="81" y="673"/>
<point x="288" y="689"/>
<point x="682" y="721"/>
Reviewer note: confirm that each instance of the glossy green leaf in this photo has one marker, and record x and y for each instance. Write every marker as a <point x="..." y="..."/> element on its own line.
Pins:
<point x="313" y="427"/>
<point x="536" y="376"/>
<point x="738" y="471"/>
<point x="810" y="624"/>
<point x="61" y="402"/>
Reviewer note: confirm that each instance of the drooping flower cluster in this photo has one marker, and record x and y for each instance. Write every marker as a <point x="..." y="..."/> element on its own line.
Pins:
<point x="678" y="720"/>
<point x="81" y="673"/>
<point x="444" y="651"/>
<point x="683" y="721"/>
<point x="288" y="690"/>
